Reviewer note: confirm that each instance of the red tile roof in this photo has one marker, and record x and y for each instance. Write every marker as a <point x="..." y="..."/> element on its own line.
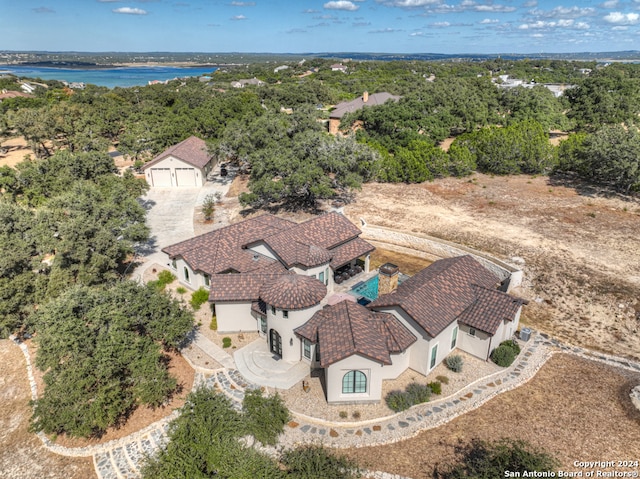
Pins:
<point x="311" y="243"/>
<point x="436" y="296"/>
<point x="222" y="250"/>
<point x="349" y="251"/>
<point x="192" y="151"/>
<point x="293" y="291"/>
<point x="490" y="309"/>
<point x="238" y="287"/>
<point x="348" y="328"/>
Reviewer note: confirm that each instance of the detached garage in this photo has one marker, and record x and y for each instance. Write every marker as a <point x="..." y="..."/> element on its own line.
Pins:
<point x="186" y="164"/>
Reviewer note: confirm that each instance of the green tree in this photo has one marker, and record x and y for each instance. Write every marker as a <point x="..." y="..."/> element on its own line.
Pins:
<point x="101" y="354"/>
<point x="610" y="156"/>
<point x="203" y="443"/>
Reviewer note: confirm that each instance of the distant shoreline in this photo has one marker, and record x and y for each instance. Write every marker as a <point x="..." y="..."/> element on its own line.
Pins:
<point x="108" y="66"/>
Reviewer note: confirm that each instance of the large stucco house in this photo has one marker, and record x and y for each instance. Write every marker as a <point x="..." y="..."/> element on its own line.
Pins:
<point x="275" y="276"/>
<point x="186" y="164"/>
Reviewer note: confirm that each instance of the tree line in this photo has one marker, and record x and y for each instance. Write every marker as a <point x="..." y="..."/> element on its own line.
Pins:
<point x="395" y="142"/>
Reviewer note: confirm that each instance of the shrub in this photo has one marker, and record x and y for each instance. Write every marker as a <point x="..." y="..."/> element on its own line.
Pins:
<point x="436" y="387"/>
<point x="398" y="401"/>
<point x="181" y="290"/>
<point x="442" y="379"/>
<point x="226" y="342"/>
<point x="503" y="355"/>
<point x="455" y="363"/>
<point x="265" y="416"/>
<point x="208" y="206"/>
<point x="166" y="277"/>
<point x="356" y="415"/>
<point x="513" y="345"/>
<point x="213" y="325"/>
<point x="311" y="462"/>
<point x="198" y="298"/>
<point x="491" y="459"/>
<point x="156" y="285"/>
<point x="418" y="393"/>
<point x="343" y="414"/>
<point x="414" y="394"/>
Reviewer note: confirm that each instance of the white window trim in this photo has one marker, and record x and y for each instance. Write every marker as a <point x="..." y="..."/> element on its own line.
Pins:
<point x="435" y="346"/>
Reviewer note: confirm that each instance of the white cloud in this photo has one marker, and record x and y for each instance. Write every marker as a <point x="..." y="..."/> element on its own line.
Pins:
<point x="489" y="21"/>
<point x="129" y="11"/>
<point x="386" y="30"/>
<point x="609" y="4"/>
<point x="43" y="10"/>
<point x="238" y="17"/>
<point x="620" y="18"/>
<point x="494" y="8"/>
<point x="441" y="24"/>
<point x="243" y="4"/>
<point x="341" y="5"/>
<point x="412" y="3"/>
<point x="564" y="12"/>
<point x="531" y="4"/>
<point x="543" y="25"/>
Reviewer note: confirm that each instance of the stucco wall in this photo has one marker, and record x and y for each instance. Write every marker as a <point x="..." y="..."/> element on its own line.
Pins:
<point x="196" y="279"/>
<point x="336" y="372"/>
<point x="399" y="364"/>
<point x="439" y="248"/>
<point x="315" y="271"/>
<point x="291" y="344"/>
<point x="235" y="316"/>
<point x="477" y="345"/>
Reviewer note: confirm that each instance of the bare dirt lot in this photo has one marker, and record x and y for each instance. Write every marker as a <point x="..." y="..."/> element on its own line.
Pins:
<point x="13" y="151"/>
<point x="580" y="247"/>
<point x="575" y="409"/>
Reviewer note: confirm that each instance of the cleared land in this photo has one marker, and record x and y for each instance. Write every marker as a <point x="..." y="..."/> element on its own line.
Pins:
<point x="580" y="246"/>
<point x="576" y="409"/>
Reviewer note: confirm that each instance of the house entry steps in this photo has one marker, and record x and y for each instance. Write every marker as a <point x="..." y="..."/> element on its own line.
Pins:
<point x="121" y="458"/>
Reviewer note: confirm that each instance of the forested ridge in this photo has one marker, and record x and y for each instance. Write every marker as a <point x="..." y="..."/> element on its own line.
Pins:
<point x="69" y="225"/>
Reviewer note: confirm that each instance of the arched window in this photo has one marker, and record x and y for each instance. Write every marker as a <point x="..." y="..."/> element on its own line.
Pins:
<point x="354" y="382"/>
<point x="186" y="274"/>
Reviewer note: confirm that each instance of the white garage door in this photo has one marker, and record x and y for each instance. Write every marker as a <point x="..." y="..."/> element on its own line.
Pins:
<point x="186" y="176"/>
<point x="161" y="176"/>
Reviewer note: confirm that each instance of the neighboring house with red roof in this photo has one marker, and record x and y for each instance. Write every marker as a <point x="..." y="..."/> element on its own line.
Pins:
<point x="341" y="109"/>
<point x="275" y="276"/>
<point x="186" y="164"/>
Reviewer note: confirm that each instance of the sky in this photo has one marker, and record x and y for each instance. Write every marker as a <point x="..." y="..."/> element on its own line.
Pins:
<point x="304" y="26"/>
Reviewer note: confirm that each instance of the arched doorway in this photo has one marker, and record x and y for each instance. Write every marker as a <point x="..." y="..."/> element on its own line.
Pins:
<point x="275" y="342"/>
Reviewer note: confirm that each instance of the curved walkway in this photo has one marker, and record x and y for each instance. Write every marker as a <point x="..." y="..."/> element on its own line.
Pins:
<point x="122" y="458"/>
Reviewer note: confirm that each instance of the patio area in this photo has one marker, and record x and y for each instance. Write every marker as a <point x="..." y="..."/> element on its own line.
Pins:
<point x="261" y="367"/>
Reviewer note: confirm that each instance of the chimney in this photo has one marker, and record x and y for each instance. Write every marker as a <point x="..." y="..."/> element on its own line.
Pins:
<point x="387" y="278"/>
<point x="365" y="97"/>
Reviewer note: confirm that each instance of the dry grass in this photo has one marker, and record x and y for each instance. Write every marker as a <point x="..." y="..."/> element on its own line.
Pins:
<point x="580" y="245"/>
<point x="407" y="264"/>
<point x="573" y="408"/>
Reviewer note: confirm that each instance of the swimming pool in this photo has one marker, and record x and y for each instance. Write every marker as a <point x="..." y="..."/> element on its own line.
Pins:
<point x="368" y="288"/>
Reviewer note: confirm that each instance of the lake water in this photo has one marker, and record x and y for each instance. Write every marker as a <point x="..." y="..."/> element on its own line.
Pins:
<point x="109" y="77"/>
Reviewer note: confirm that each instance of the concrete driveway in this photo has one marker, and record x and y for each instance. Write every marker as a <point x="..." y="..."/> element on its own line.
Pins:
<point x="170" y="218"/>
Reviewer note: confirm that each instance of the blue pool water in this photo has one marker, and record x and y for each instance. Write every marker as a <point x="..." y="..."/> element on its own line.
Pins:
<point x="368" y="289"/>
